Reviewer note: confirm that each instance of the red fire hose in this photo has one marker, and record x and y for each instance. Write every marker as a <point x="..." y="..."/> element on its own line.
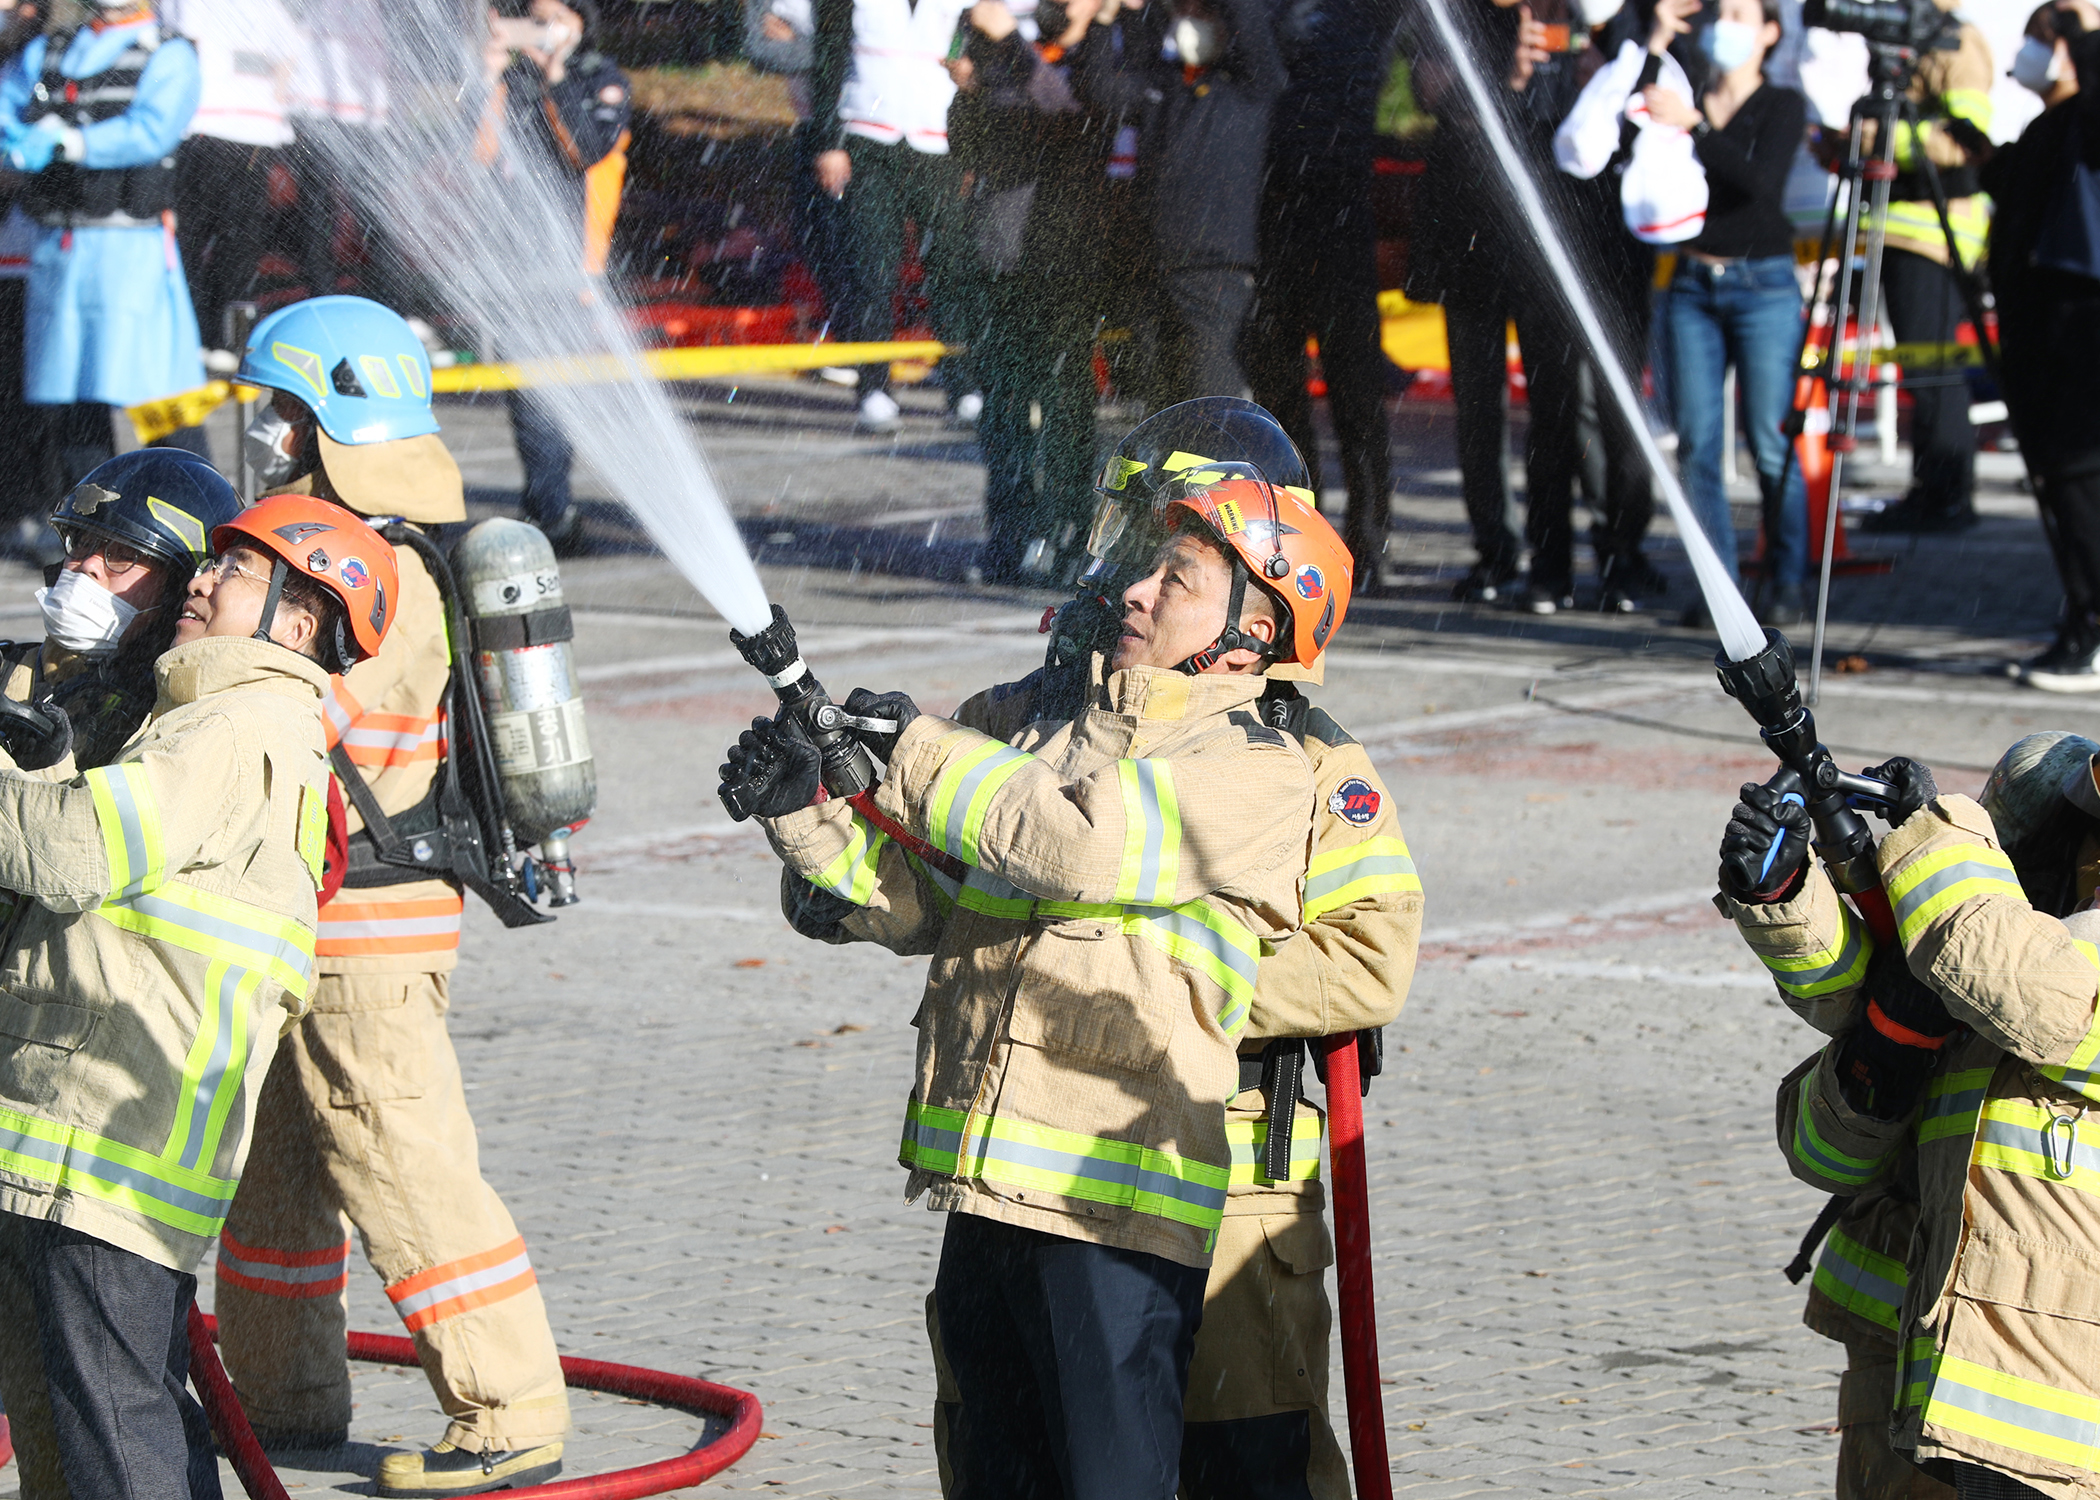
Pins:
<point x="701" y="1397"/>
<point x="7" y="1448"/>
<point x="1352" y="1249"/>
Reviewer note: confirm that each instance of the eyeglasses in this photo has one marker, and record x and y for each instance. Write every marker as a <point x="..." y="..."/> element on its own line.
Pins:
<point x="117" y="559"/>
<point x="222" y="568"/>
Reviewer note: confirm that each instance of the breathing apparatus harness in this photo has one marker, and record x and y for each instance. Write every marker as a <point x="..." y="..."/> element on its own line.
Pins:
<point x="447" y="835"/>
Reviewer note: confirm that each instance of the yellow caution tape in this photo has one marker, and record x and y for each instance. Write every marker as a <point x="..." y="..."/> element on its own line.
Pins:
<point x="153" y="420"/>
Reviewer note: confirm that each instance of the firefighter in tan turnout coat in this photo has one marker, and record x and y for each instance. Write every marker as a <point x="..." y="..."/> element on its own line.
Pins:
<point x="1093" y="972"/>
<point x="365" y="1114"/>
<point x="1963" y="1076"/>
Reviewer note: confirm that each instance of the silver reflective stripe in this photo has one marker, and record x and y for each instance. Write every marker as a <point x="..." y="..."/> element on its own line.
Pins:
<point x="1115" y="1173"/>
<point x="133" y="1179"/>
<point x="220" y="929"/>
<point x="2083" y="1156"/>
<point x="966" y="794"/>
<point x="1361" y="869"/>
<point x="132" y="824"/>
<point x="270" y="1270"/>
<point x="460" y="1286"/>
<point x="1951" y="876"/>
<point x="1948" y="1390"/>
<point x="1246" y="966"/>
<point x="1858" y="1279"/>
<point x="214" y="1075"/>
<point x="1155" y="829"/>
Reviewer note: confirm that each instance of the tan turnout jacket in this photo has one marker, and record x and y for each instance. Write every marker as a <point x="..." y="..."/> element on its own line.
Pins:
<point x="1092" y="976"/>
<point x="1998" y="1299"/>
<point x="164" y="939"/>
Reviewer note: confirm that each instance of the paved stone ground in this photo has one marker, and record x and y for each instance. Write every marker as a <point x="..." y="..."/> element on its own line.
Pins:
<point x="1580" y="1213"/>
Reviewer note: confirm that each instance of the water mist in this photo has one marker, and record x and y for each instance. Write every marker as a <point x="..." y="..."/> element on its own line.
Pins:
<point x="1741" y="636"/>
<point x="501" y="245"/>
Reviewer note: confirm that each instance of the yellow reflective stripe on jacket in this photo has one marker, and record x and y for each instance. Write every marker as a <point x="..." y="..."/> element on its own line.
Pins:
<point x="1151" y="832"/>
<point x="89" y="1166"/>
<point x="2034" y="1141"/>
<point x="1943" y="879"/>
<point x="130" y="820"/>
<point x="2024" y="1415"/>
<point x="851" y="876"/>
<point x="1915" y="1379"/>
<point x="963" y="795"/>
<point x="1860" y="1280"/>
<point x="212" y="1073"/>
<point x="2079" y="1070"/>
<point x="1825" y="1160"/>
<point x="1091" y="1168"/>
<point x="1973" y="105"/>
<point x="1194" y="933"/>
<point x="1917" y="220"/>
<point x="1375" y="867"/>
<point x="1250" y="1138"/>
<point x="219" y="927"/>
<point x="1951" y="1103"/>
<point x="1838" y="967"/>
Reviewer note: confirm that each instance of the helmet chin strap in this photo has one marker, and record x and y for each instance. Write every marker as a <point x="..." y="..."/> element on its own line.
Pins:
<point x="269" y="606"/>
<point x="1231" y="638"/>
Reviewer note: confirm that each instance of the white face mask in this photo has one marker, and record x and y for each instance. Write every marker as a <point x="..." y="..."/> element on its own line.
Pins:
<point x="1731" y="44"/>
<point x="270" y="446"/>
<point x="1196" y="42"/>
<point x="2037" y="65"/>
<point x="83" y="616"/>
<point x="1597" y="12"/>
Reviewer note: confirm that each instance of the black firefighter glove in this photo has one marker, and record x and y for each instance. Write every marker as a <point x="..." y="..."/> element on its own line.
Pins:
<point x="863" y="704"/>
<point x="1750" y="870"/>
<point x="773" y="770"/>
<point x="1892" y="1051"/>
<point x="1911" y="787"/>
<point x="35" y="735"/>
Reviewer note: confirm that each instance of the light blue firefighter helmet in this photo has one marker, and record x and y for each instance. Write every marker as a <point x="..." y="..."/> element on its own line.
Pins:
<point x="358" y="365"/>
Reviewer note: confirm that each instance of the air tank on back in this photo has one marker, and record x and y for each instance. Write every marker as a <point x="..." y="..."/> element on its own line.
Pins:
<point x="525" y="668"/>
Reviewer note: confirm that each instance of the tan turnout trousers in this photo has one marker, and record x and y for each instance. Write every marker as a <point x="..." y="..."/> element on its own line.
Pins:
<point x="364" y="1115"/>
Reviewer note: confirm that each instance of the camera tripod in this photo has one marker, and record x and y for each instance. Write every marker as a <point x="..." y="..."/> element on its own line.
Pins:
<point x="1847" y="363"/>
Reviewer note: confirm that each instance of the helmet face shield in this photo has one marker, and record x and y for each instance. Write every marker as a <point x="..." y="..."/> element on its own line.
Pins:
<point x="1129" y="529"/>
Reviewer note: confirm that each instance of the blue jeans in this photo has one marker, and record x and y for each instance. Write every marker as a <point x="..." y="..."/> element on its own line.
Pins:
<point x="1746" y="313"/>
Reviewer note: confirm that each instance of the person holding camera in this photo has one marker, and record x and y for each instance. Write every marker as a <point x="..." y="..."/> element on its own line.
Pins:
<point x="1950" y="83"/>
<point x="1734" y="299"/>
<point x="2045" y="269"/>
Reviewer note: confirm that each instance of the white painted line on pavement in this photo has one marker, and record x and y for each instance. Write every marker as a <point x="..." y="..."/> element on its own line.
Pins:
<point x="1589" y="916"/>
<point x="1627" y="973"/>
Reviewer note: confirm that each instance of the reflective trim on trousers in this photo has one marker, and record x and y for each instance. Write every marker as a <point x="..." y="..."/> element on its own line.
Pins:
<point x="963" y="796"/>
<point x="130" y="821"/>
<point x="851" y="877"/>
<point x="1151" y="833"/>
<point x="1093" y="1169"/>
<point x="460" y="1286"/>
<point x="1250" y="1138"/>
<point x="362" y="929"/>
<point x="1840" y="966"/>
<point x="2024" y="1415"/>
<point x="1376" y="867"/>
<point x="1862" y="1281"/>
<point x="1820" y="1157"/>
<point x="295" y="1275"/>
<point x="1943" y="879"/>
<point x="90" y="1166"/>
<point x="219" y="927"/>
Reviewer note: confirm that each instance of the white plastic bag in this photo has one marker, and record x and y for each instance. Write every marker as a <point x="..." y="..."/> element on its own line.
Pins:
<point x="1663" y="192"/>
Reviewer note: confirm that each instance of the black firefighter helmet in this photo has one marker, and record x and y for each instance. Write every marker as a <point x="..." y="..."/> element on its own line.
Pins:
<point x="163" y="502"/>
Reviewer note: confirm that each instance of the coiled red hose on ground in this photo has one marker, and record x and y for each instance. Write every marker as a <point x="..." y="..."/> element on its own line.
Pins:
<point x="7" y="1448"/>
<point x="685" y="1392"/>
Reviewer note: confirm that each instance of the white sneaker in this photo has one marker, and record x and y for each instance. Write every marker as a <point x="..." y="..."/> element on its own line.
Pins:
<point x="839" y="375"/>
<point x="967" y="410"/>
<point x="221" y="361"/>
<point x="878" y="413"/>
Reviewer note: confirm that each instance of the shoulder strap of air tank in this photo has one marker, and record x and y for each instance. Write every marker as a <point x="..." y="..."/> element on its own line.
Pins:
<point x="1283" y="707"/>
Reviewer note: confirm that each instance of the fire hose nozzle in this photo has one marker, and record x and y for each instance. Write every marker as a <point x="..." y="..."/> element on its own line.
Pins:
<point x="1764" y="684"/>
<point x="773" y="650"/>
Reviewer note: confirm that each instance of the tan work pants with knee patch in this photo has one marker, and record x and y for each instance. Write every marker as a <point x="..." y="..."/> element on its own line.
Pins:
<point x="1868" y="1468"/>
<point x="1263" y="1346"/>
<point x="364" y="1115"/>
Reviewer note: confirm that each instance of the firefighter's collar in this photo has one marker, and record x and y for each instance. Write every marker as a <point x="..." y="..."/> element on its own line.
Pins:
<point x="1163" y="693"/>
<point x="222" y="663"/>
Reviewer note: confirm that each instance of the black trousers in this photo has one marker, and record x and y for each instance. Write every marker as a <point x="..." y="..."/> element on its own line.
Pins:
<point x="893" y="185"/>
<point x="2073" y="504"/>
<point x="548" y="456"/>
<point x="1201" y="312"/>
<point x="112" y="1330"/>
<point x="1924" y="302"/>
<point x="1072" y="1359"/>
<point x="1325" y="285"/>
<point x="1476" y="323"/>
<point x="222" y="216"/>
<point x="1615" y="475"/>
<point x="23" y="489"/>
<point x="1253" y="1458"/>
<point x="1037" y="346"/>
